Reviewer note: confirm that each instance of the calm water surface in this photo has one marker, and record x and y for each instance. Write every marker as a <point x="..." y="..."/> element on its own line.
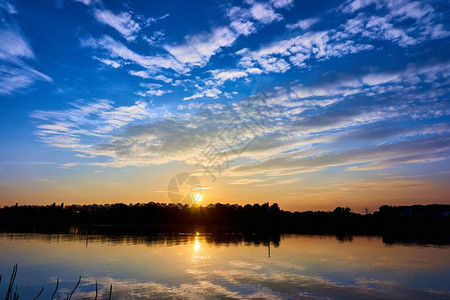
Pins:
<point x="204" y="267"/>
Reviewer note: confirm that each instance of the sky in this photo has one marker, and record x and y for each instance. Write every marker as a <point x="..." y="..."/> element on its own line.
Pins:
<point x="310" y="104"/>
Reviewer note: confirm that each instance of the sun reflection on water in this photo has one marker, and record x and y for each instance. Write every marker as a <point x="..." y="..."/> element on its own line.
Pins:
<point x="196" y="244"/>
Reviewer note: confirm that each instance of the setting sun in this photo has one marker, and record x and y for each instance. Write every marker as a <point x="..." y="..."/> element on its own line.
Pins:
<point x="197" y="198"/>
<point x="196" y="193"/>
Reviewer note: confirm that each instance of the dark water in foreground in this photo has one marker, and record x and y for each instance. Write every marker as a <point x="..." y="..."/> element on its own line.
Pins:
<point x="204" y="267"/>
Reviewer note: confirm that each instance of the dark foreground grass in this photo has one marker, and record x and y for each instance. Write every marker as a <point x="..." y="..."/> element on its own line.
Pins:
<point x="13" y="294"/>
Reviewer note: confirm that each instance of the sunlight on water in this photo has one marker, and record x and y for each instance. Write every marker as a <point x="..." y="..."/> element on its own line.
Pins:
<point x="196" y="244"/>
<point x="226" y="266"/>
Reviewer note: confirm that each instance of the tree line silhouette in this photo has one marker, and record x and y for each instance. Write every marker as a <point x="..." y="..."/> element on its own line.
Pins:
<point x="428" y="219"/>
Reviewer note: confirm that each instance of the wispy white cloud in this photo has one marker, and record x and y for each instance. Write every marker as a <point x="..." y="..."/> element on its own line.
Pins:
<point x="87" y="2"/>
<point x="122" y="22"/>
<point x="109" y="62"/>
<point x="151" y="75"/>
<point x="43" y="180"/>
<point x="16" y="77"/>
<point x="86" y="121"/>
<point x="281" y="182"/>
<point x="16" y="54"/>
<point x="297" y="50"/>
<point x="223" y="75"/>
<point x="402" y="152"/>
<point x="243" y="19"/>
<point x="387" y="21"/>
<point x="407" y="159"/>
<point x="154" y="39"/>
<point x="379" y="78"/>
<point x="8" y="7"/>
<point x="197" y="49"/>
<point x="354" y="5"/>
<point x="303" y="24"/>
<point x="247" y="181"/>
<point x="282" y="3"/>
<point x="243" y="27"/>
<point x="201" y="105"/>
<point x="253" y="71"/>
<point x="142" y="74"/>
<point x="69" y="165"/>
<point x="381" y="27"/>
<point x="163" y="78"/>
<point x="13" y="44"/>
<point x="154" y="89"/>
<point x="121" y="53"/>
<point x="430" y="72"/>
<point x="205" y="92"/>
<point x="264" y="13"/>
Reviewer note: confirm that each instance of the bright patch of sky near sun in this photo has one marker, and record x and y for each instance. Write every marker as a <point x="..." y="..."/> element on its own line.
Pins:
<point x="106" y="101"/>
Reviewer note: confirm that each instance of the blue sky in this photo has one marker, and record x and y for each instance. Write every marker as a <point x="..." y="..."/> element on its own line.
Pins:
<point x="106" y="101"/>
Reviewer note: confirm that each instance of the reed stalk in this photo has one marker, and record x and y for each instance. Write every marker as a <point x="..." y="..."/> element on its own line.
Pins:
<point x="11" y="284"/>
<point x="42" y="289"/>
<point x="56" y="288"/>
<point x="96" y="289"/>
<point x="70" y="296"/>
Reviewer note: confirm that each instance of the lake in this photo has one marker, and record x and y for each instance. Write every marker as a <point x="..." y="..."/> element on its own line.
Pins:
<point x="203" y="266"/>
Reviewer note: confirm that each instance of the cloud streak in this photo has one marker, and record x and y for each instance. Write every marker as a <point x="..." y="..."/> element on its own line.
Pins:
<point x="122" y="22"/>
<point x="16" y="53"/>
